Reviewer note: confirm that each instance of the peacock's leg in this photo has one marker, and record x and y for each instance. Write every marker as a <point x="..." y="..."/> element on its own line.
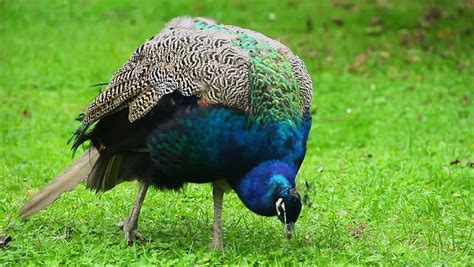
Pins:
<point x="131" y="224"/>
<point x="218" y="195"/>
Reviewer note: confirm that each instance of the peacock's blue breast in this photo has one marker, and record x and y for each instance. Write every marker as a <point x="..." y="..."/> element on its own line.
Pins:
<point x="203" y="144"/>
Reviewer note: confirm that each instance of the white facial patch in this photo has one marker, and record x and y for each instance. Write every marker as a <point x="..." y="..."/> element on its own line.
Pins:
<point x="277" y="204"/>
<point x="281" y="204"/>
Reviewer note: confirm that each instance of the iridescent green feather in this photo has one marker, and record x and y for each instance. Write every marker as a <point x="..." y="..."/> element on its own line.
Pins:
<point x="274" y="93"/>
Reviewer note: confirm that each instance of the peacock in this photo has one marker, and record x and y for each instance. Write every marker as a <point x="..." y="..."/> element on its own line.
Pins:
<point x="199" y="102"/>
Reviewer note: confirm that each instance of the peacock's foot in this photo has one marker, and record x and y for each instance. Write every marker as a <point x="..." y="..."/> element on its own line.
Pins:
<point x="130" y="225"/>
<point x="130" y="231"/>
<point x="216" y="243"/>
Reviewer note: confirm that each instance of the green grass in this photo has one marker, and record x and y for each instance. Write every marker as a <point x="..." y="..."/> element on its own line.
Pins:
<point x="392" y="110"/>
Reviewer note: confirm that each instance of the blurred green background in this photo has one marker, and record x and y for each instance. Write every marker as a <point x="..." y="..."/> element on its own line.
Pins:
<point x="388" y="177"/>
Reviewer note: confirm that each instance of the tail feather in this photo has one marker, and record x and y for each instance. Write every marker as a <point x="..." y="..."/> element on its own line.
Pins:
<point x="105" y="173"/>
<point x="64" y="182"/>
<point x="110" y="170"/>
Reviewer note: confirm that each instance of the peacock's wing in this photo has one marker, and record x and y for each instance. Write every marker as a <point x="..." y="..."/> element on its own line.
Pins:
<point x="180" y="58"/>
<point x="195" y="57"/>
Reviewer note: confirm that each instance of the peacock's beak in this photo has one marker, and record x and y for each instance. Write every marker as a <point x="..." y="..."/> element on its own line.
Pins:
<point x="289" y="229"/>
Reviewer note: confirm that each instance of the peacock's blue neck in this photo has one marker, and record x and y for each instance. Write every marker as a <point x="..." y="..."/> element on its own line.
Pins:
<point x="260" y="187"/>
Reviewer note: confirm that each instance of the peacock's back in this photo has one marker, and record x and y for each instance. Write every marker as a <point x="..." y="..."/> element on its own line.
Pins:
<point x="221" y="64"/>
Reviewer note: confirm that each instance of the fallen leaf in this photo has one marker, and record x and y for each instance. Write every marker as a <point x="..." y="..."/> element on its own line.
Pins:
<point x="329" y="59"/>
<point x="374" y="30"/>
<point x="412" y="59"/>
<point x="60" y="237"/>
<point x="30" y="192"/>
<point x="26" y="113"/>
<point x="410" y="38"/>
<point x="312" y="53"/>
<point x="337" y="21"/>
<point x="357" y="230"/>
<point x="359" y="60"/>
<point x="376" y="21"/>
<point x="461" y="66"/>
<point x="384" y="54"/>
<point x="433" y="14"/>
<point x="466" y="100"/>
<point x="383" y="4"/>
<point x="344" y="4"/>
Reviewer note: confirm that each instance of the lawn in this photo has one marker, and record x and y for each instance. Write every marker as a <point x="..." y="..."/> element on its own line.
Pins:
<point x="388" y="176"/>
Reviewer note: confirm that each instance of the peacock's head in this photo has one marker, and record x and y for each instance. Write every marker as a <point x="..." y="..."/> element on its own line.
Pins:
<point x="288" y="208"/>
<point x="269" y="190"/>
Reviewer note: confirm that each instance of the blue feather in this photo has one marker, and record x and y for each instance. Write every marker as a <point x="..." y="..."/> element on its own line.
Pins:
<point x="201" y="145"/>
<point x="260" y="188"/>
